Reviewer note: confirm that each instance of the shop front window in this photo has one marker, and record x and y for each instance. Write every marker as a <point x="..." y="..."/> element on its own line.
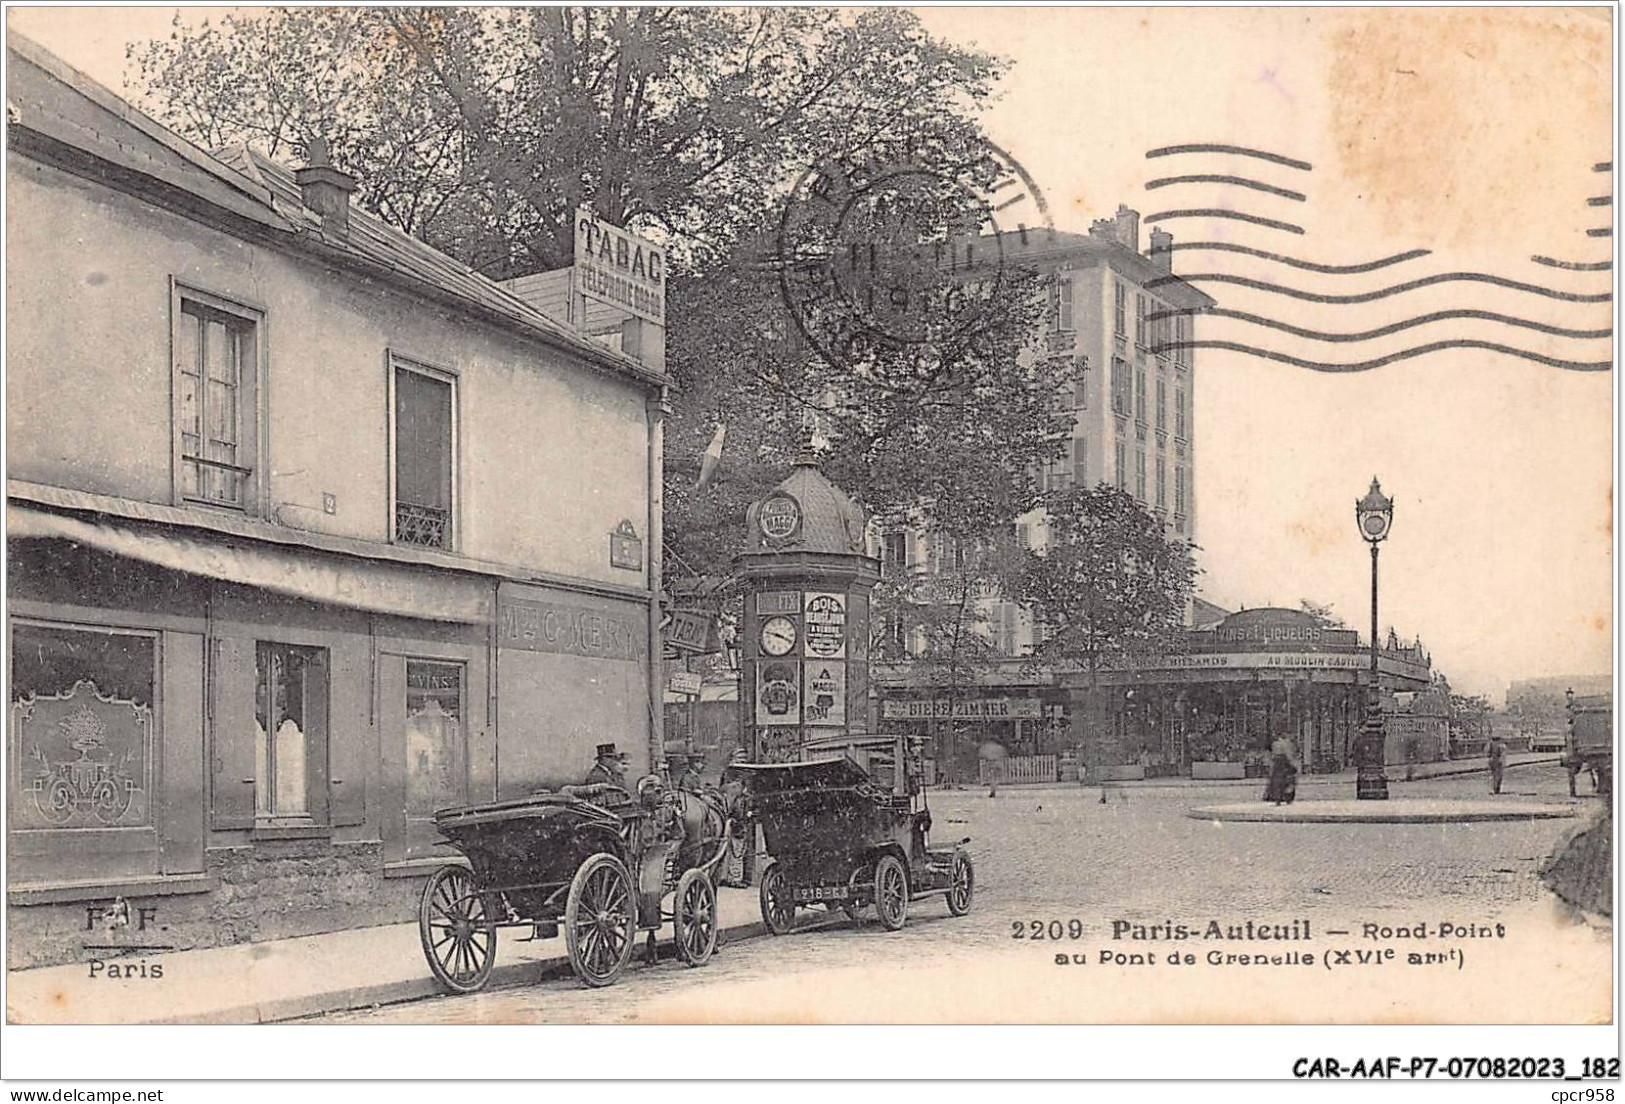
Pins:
<point x="290" y="735"/>
<point x="81" y="726"/>
<point x="435" y="743"/>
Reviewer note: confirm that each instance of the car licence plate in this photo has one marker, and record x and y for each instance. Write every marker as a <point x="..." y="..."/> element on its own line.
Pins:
<point x="824" y="893"/>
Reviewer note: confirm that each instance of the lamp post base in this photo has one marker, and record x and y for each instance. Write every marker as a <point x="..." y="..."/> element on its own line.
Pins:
<point x="1371" y="785"/>
<point x="1371" y="782"/>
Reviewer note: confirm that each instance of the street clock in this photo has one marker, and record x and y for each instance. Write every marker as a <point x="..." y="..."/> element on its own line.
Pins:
<point x="778" y="636"/>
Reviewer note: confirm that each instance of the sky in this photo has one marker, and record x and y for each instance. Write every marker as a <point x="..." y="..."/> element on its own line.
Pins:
<point x="1469" y="133"/>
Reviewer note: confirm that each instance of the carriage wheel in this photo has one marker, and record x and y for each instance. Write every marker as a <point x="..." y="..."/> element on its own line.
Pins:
<point x="778" y="911"/>
<point x="694" y="917"/>
<point x="457" y="929"/>
<point x="600" y="920"/>
<point x="963" y="887"/>
<point x="891" y="892"/>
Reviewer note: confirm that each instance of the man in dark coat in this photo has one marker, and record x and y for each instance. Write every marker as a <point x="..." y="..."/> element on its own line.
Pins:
<point x="692" y="780"/>
<point x="1498" y="762"/>
<point x="610" y="767"/>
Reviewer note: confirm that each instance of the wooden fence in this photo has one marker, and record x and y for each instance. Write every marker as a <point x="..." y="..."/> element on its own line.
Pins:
<point x="1020" y="768"/>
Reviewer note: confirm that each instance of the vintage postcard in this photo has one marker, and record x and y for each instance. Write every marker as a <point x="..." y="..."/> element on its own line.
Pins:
<point x="810" y="515"/>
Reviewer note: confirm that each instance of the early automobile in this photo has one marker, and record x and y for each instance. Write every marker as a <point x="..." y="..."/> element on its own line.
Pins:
<point x="593" y="859"/>
<point x="841" y="838"/>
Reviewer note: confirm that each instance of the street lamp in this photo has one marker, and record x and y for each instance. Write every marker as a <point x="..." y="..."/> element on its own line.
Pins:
<point x="1375" y="515"/>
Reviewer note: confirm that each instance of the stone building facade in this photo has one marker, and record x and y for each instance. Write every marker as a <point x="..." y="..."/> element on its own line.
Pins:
<point x="299" y="544"/>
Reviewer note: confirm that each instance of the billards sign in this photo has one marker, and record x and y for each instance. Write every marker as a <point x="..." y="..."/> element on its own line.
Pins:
<point x="779" y="517"/>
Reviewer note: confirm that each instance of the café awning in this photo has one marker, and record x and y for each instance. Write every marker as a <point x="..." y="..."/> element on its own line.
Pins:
<point x="291" y="570"/>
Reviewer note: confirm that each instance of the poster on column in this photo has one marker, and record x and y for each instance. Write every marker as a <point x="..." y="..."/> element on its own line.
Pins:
<point x="778" y="693"/>
<point x="826" y="694"/>
<point x="826" y="625"/>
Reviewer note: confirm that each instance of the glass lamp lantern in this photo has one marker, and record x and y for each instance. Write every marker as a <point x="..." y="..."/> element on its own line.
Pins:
<point x="1374" y="513"/>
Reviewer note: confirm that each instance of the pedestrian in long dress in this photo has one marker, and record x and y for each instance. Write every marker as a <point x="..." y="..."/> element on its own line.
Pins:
<point x="1283" y="784"/>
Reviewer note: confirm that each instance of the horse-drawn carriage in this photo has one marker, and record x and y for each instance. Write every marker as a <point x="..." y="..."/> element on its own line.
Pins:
<point x="594" y="860"/>
<point x="845" y="837"/>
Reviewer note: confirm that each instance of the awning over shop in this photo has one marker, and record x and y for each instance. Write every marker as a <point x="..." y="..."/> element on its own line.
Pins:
<point x="296" y="572"/>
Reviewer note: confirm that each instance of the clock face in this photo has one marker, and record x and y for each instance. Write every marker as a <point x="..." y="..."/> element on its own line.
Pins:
<point x="778" y="636"/>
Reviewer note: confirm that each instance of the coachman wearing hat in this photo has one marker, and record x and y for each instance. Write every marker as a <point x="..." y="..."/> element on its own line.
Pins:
<point x="610" y="767"/>
<point x="692" y="779"/>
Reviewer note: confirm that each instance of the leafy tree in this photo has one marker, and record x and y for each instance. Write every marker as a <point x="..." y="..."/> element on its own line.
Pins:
<point x="1108" y="583"/>
<point x="1324" y="616"/>
<point x="1472" y="715"/>
<point x="481" y="130"/>
<point x="935" y="623"/>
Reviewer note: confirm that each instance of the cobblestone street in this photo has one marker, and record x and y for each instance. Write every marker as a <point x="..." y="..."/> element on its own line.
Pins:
<point x="1062" y="855"/>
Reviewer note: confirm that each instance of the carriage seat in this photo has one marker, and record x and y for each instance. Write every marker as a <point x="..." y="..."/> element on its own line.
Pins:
<point x="606" y="794"/>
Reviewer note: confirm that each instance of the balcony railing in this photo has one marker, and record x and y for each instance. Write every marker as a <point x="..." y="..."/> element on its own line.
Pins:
<point x="429" y="526"/>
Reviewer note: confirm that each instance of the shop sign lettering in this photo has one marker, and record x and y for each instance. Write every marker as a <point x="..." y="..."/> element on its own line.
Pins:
<point x="620" y="269"/>
<point x="597" y="633"/>
<point x="965" y="708"/>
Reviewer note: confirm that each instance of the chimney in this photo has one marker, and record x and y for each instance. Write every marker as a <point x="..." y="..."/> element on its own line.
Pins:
<point x="1128" y="227"/>
<point x="1162" y="250"/>
<point x="325" y="190"/>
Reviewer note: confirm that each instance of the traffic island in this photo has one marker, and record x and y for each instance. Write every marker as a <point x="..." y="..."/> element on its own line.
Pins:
<point x="1394" y="811"/>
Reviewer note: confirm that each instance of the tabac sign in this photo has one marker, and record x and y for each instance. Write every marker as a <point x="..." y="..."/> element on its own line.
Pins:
<point x="619" y="269"/>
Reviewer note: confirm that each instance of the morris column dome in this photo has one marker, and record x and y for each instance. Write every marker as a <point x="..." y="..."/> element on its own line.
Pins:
<point x="806" y="513"/>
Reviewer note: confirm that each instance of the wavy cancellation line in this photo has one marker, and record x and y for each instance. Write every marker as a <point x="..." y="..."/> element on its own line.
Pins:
<point x="1223" y="213"/>
<point x="1574" y="266"/>
<point x="1406" y="354"/>
<point x="1222" y="178"/>
<point x="1381" y="293"/>
<point x="1219" y="147"/>
<point x="1298" y="262"/>
<point x="1383" y="331"/>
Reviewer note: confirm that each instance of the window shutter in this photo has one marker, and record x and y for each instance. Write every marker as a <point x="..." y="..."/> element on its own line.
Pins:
<point x="347" y="746"/>
<point x="231" y="733"/>
<point x="1080" y="461"/>
<point x="319" y="746"/>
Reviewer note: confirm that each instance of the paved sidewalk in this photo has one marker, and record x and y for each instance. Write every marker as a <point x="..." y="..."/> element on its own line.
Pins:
<point x="1396" y="776"/>
<point x="1399" y="810"/>
<point x="287" y="978"/>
